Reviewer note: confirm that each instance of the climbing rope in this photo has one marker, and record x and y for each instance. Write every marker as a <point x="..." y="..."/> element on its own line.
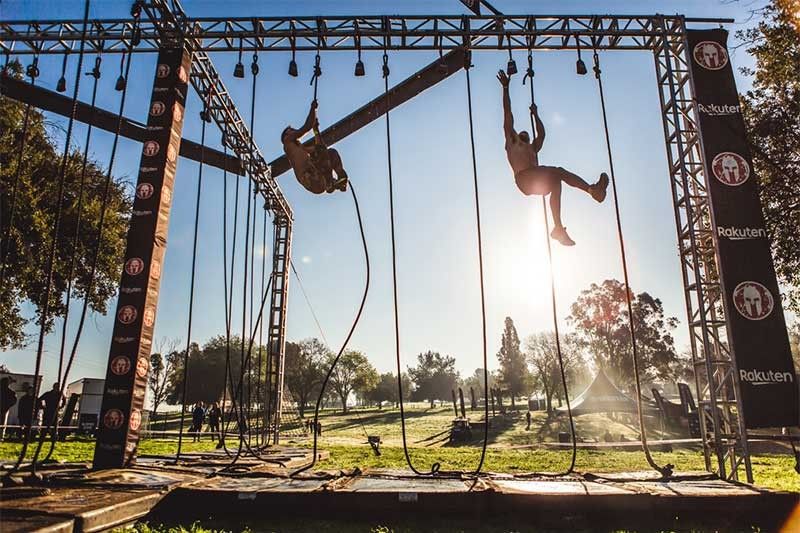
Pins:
<point x="666" y="470"/>
<point x="32" y="72"/>
<point x="51" y="255"/>
<point x="346" y="341"/>
<point x="529" y="75"/>
<point x="62" y="377"/>
<point x="436" y="465"/>
<point x="204" y="119"/>
<point x="467" y="66"/>
<point x="321" y="395"/>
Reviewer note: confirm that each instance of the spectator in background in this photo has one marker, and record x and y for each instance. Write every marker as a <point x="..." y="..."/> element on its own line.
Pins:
<point x="198" y="416"/>
<point x="7" y="398"/>
<point x="528" y="419"/>
<point x="50" y="402"/>
<point x="214" y="416"/>
<point x="25" y="410"/>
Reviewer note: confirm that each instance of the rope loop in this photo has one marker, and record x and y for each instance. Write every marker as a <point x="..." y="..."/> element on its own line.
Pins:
<point x="254" y="65"/>
<point x="596" y="61"/>
<point x="385" y="67"/>
<point x="33" y="69"/>
<point x="95" y="72"/>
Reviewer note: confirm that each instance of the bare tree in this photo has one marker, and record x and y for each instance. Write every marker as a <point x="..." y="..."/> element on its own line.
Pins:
<point x="162" y="364"/>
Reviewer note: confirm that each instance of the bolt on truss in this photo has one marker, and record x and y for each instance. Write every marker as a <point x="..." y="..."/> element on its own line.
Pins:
<point x="518" y="32"/>
<point x="721" y="426"/>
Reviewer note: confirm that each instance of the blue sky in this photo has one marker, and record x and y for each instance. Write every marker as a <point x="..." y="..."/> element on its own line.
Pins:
<point x="436" y="236"/>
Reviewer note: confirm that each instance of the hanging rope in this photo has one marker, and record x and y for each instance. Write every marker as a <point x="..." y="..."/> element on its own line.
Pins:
<point x="203" y="119"/>
<point x="315" y="79"/>
<point x="261" y="328"/>
<point x="95" y="73"/>
<point x="436" y="465"/>
<point x="347" y="338"/>
<point x="529" y="74"/>
<point x="51" y="256"/>
<point x="467" y="67"/>
<point x="666" y="470"/>
<point x="228" y="303"/>
<point x="32" y="72"/>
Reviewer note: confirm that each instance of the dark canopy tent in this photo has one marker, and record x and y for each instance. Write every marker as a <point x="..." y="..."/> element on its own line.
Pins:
<point x="602" y="396"/>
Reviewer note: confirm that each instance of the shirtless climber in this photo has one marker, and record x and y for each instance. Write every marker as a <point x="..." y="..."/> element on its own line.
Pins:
<point x="313" y="165"/>
<point x="533" y="178"/>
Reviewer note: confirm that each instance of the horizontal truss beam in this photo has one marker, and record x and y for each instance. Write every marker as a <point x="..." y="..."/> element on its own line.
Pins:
<point x="420" y="32"/>
<point x="54" y="102"/>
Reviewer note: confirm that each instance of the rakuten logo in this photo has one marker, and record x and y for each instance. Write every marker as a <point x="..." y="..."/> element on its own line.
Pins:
<point x="739" y="234"/>
<point x="765" y="377"/>
<point x="718" y="109"/>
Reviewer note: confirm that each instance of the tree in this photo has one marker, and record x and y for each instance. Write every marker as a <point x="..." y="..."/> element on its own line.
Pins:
<point x="434" y="377"/>
<point x="304" y="370"/>
<point x="771" y="112"/>
<point x="794" y="343"/>
<point x="205" y="382"/>
<point x="386" y="389"/>
<point x="513" y="370"/>
<point x="476" y="383"/>
<point x="353" y="372"/>
<point x="161" y="368"/>
<point x="32" y="181"/>
<point x="600" y="318"/>
<point x="542" y="354"/>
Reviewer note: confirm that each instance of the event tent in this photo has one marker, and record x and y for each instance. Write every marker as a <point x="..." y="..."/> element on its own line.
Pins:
<point x="602" y="396"/>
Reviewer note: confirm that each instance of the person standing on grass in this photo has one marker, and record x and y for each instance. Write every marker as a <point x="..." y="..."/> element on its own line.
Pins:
<point x="198" y="415"/>
<point x="7" y="398"/>
<point x="51" y="401"/>
<point x="528" y="418"/>
<point x="214" y="415"/>
<point x="25" y="410"/>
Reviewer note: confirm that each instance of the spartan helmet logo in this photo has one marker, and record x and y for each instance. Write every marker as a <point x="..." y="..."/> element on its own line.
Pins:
<point x="730" y="168"/>
<point x="144" y="190"/>
<point x="135" y="420"/>
<point x="157" y="109"/>
<point x="149" y="317"/>
<point x="710" y="55"/>
<point x="150" y="148"/>
<point x="753" y="300"/>
<point x="113" y="419"/>
<point x="120" y="365"/>
<point x="142" y="367"/>
<point x="127" y="315"/>
<point x="162" y="71"/>
<point x="134" y="266"/>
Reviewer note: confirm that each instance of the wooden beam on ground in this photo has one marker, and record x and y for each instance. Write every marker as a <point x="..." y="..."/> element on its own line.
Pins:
<point x="54" y="102"/>
<point x="399" y="94"/>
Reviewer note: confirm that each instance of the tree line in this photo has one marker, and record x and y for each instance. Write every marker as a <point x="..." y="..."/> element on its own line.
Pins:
<point x="600" y="339"/>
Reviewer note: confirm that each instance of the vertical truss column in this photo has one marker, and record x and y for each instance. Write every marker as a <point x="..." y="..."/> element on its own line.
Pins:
<point x="722" y="428"/>
<point x="132" y="338"/>
<point x="276" y="332"/>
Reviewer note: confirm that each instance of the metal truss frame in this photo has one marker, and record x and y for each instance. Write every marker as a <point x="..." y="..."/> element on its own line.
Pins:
<point x="722" y="428"/>
<point x="723" y="433"/>
<point x="519" y="32"/>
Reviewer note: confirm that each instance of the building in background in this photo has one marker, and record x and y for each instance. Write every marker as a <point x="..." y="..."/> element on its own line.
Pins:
<point x="89" y="400"/>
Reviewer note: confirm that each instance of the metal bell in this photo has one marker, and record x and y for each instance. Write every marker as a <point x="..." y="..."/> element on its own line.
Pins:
<point x="293" y="68"/>
<point x="61" y="86"/>
<point x="238" y="70"/>
<point x="120" y="84"/>
<point x="511" y="68"/>
<point x="360" y="69"/>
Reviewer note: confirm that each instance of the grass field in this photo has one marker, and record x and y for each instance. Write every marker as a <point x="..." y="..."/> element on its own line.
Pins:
<point x="512" y="449"/>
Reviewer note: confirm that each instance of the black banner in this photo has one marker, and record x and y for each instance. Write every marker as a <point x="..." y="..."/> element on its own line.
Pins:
<point x="129" y="357"/>
<point x="756" y="325"/>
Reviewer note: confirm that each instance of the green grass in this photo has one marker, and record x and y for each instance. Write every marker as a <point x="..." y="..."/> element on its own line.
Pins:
<point x="82" y="450"/>
<point x="512" y="449"/>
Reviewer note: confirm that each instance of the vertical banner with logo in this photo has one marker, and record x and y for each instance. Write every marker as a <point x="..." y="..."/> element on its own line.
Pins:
<point x="756" y="325"/>
<point x="129" y="357"/>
